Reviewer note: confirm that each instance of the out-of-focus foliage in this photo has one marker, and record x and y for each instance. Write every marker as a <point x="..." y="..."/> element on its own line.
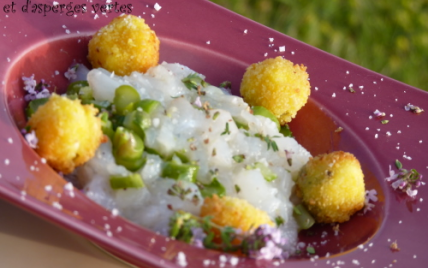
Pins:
<point x="389" y="37"/>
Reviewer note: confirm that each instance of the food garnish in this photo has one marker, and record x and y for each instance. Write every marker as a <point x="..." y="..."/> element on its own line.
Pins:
<point x="405" y="180"/>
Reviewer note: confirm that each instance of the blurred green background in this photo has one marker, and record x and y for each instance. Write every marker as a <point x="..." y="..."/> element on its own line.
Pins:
<point x="387" y="36"/>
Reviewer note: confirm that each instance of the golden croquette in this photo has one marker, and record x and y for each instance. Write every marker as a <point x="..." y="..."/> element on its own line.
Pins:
<point x="68" y="132"/>
<point x="278" y="85"/>
<point x="234" y="212"/>
<point x="125" y="45"/>
<point x="332" y="186"/>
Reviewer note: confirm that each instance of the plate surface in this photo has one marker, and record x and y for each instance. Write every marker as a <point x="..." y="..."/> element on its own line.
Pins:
<point x="221" y="44"/>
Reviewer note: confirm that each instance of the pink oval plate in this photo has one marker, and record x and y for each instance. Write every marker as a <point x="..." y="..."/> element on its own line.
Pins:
<point x="220" y="44"/>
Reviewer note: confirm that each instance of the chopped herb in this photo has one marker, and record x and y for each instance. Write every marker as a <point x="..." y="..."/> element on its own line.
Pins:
<point x="310" y="250"/>
<point x="398" y="164"/>
<point x="239" y="158"/>
<point x="351" y="90"/>
<point x="279" y="221"/>
<point x="226" y="131"/>
<point x="192" y="81"/>
<point x="237" y="188"/>
<point x="215" y="187"/>
<point x="226" y="84"/>
<point x="285" y="130"/>
<point x="216" y="114"/>
<point x="214" y="152"/>
<point x="384" y="122"/>
<point x="270" y="143"/>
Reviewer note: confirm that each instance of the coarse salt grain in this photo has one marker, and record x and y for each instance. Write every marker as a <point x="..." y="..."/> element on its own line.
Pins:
<point x="206" y="262"/>
<point x="292" y="52"/>
<point x="6" y="161"/>
<point x="48" y="188"/>
<point x="347" y="72"/>
<point x="245" y="31"/>
<point x="57" y="205"/>
<point x="157" y="7"/>
<point x="271" y="39"/>
<point x="356" y="262"/>
<point x="234" y="260"/>
<point x="376" y="136"/>
<point x="181" y="259"/>
<point x="333" y="95"/>
<point x="69" y="186"/>
<point x="281" y="48"/>
<point x="9" y="140"/>
<point x="316" y="88"/>
<point x="109" y="233"/>
<point x="114" y="212"/>
<point x="367" y="128"/>
<point x="43" y="160"/>
<point x="208" y="42"/>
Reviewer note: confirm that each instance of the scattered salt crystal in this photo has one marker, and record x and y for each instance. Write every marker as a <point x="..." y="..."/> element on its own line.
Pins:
<point x="418" y="209"/>
<point x="6" y="162"/>
<point x="48" y="188"/>
<point x="63" y="26"/>
<point x="234" y="260"/>
<point x="107" y="226"/>
<point x="9" y="140"/>
<point x="208" y="42"/>
<point x="388" y="133"/>
<point x="356" y="262"/>
<point x="282" y="49"/>
<point x="271" y="39"/>
<point x="292" y="52"/>
<point x="373" y="261"/>
<point x="114" y="212"/>
<point x="316" y="88"/>
<point x="391" y="115"/>
<point x="181" y="259"/>
<point x="375" y="136"/>
<point x="119" y="229"/>
<point x="55" y="3"/>
<point x="347" y="72"/>
<point x="222" y="258"/>
<point x="152" y="15"/>
<point x="333" y="95"/>
<point x="344" y="88"/>
<point x="69" y="186"/>
<point x="400" y="222"/>
<point x="96" y="16"/>
<point x="371" y="245"/>
<point x="367" y="128"/>
<point x="398" y="131"/>
<point x="370" y="117"/>
<point x="157" y="7"/>
<point x="361" y="246"/>
<point x="43" y="160"/>
<point x="351" y="85"/>
<point x="57" y="205"/>
<point x="109" y="233"/>
<point x="420" y="141"/>
<point x="265" y="54"/>
<point x="361" y="87"/>
<point x="374" y="82"/>
<point x="245" y="31"/>
<point x="206" y="262"/>
<point x="76" y="212"/>
<point x="414" y="256"/>
<point x="67" y="31"/>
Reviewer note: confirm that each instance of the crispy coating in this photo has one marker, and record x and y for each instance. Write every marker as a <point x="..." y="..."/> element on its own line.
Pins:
<point x="125" y="45"/>
<point x="332" y="187"/>
<point x="278" y="85"/>
<point x="234" y="212"/>
<point x="68" y="132"/>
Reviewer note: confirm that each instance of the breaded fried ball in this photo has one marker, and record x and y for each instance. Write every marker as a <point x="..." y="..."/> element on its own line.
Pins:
<point x="278" y="85"/>
<point x="68" y="132"/>
<point x="234" y="212"/>
<point x="125" y="45"/>
<point x="332" y="187"/>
